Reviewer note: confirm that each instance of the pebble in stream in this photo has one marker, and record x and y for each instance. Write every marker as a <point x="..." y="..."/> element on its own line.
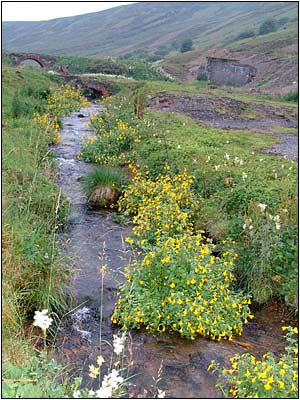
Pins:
<point x="93" y="239"/>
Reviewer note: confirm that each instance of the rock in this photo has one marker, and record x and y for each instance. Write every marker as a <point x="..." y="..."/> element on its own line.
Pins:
<point x="103" y="196"/>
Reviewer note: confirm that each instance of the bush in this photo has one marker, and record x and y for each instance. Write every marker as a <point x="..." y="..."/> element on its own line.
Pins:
<point x="181" y="286"/>
<point x="202" y="76"/>
<point x="292" y="96"/>
<point x="186" y="45"/>
<point x="270" y="377"/>
<point x="267" y="26"/>
<point x="245" y="35"/>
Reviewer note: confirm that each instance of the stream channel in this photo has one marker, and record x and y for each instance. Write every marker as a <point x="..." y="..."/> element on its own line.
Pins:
<point x="91" y="239"/>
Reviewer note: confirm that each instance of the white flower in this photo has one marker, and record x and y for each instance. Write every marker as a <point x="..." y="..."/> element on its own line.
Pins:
<point x="227" y="141"/>
<point x="227" y="156"/>
<point x="179" y="147"/>
<point x="290" y="168"/>
<point x="236" y="159"/>
<point x="244" y="226"/>
<point x="277" y="218"/>
<point x="118" y="343"/>
<point x="93" y="371"/>
<point x="76" y="394"/>
<point x="262" y="206"/>
<point x="241" y="162"/>
<point x="275" y="176"/>
<point x="251" y="227"/>
<point x="277" y="226"/>
<point x="92" y="393"/>
<point x="252" y="153"/>
<point x="161" y="394"/>
<point x="208" y="159"/>
<point x="105" y="392"/>
<point x="217" y="167"/>
<point x="282" y="166"/>
<point x="42" y="320"/>
<point x="113" y="379"/>
<point x="244" y="176"/>
<point x="261" y="159"/>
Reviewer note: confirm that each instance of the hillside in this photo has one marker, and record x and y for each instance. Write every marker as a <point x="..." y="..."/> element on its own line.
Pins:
<point x="146" y="27"/>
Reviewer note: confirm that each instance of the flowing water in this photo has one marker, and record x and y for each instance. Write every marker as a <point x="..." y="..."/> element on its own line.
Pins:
<point x="93" y="239"/>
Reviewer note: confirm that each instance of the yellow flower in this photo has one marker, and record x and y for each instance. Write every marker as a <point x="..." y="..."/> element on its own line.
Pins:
<point x="281" y="384"/>
<point x="295" y="330"/>
<point x="247" y="373"/>
<point x="172" y="285"/>
<point x="267" y="386"/>
<point x="94" y="372"/>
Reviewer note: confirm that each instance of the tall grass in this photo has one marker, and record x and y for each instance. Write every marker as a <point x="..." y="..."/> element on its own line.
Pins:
<point x="33" y="211"/>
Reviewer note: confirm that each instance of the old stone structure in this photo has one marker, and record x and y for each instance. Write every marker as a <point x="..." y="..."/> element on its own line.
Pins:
<point x="229" y="72"/>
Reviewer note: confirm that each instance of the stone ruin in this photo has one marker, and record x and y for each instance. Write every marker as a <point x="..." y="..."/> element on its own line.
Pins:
<point x="229" y="72"/>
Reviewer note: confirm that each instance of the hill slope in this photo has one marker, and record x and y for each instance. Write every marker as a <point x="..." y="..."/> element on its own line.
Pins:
<point x="144" y="27"/>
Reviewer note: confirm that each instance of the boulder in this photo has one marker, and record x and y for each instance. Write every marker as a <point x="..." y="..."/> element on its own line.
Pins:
<point x="103" y="196"/>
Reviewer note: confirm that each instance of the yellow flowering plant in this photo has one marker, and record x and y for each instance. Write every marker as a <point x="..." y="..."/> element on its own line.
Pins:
<point x="161" y="208"/>
<point x="60" y="102"/>
<point x="270" y="377"/>
<point x="182" y="286"/>
<point x="114" y="141"/>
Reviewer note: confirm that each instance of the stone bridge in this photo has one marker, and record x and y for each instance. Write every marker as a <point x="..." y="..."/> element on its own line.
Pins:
<point x="45" y="61"/>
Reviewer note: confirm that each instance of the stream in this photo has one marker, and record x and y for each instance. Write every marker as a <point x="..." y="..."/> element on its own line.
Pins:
<point x="93" y="239"/>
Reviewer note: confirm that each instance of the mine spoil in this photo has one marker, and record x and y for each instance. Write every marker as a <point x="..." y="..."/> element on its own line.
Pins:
<point x="228" y="113"/>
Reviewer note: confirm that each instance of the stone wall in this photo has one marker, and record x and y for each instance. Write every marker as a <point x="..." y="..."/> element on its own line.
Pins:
<point x="229" y="72"/>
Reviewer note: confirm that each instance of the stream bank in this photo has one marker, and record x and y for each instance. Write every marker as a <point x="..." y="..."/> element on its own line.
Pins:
<point x="93" y="239"/>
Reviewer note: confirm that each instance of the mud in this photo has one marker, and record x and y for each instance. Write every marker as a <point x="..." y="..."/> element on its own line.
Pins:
<point x="93" y="239"/>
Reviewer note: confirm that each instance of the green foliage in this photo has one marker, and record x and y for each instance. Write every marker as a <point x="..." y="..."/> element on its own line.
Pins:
<point x="37" y="379"/>
<point x="202" y="76"/>
<point x="292" y="96"/>
<point x="245" y="35"/>
<point x="182" y="287"/>
<point x="104" y="176"/>
<point x="33" y="207"/>
<point x="186" y="45"/>
<point x="267" y="26"/>
<point x="249" y="377"/>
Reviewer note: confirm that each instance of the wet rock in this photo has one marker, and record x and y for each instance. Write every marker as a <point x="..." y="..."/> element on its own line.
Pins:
<point x="103" y="196"/>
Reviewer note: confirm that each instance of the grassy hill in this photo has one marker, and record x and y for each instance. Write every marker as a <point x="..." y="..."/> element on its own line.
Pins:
<point x="146" y="28"/>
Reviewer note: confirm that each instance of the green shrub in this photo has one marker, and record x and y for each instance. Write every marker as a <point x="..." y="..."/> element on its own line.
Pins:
<point x="292" y="96"/>
<point x="267" y="26"/>
<point x="181" y="286"/>
<point x="245" y="35"/>
<point x="186" y="45"/>
<point x="202" y="76"/>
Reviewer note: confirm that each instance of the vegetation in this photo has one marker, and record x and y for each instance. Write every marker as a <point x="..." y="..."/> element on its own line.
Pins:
<point x="267" y="26"/>
<point x="270" y="377"/>
<point x="226" y="187"/>
<point x="33" y="207"/>
<point x="292" y="96"/>
<point x="157" y="26"/>
<point x="187" y="45"/>
<point x="104" y="176"/>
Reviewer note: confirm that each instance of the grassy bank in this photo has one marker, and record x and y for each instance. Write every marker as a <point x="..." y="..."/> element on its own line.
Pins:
<point x="34" y="209"/>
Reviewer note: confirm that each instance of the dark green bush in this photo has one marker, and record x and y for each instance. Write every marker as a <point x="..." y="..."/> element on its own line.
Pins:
<point x="267" y="26"/>
<point x="245" y="35"/>
<point x="292" y="96"/>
